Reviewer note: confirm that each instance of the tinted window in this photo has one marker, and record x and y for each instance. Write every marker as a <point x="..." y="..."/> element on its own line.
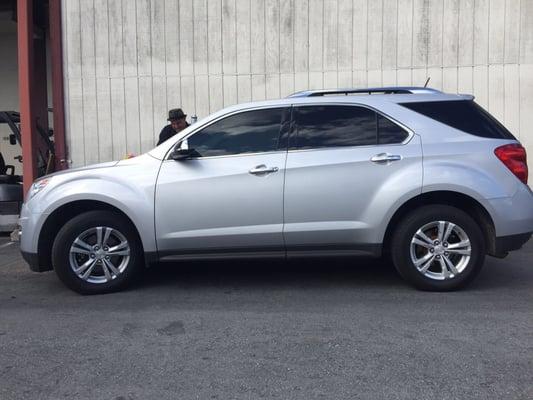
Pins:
<point x="246" y="132"/>
<point x="334" y="126"/>
<point x="389" y="132"/>
<point x="464" y="115"/>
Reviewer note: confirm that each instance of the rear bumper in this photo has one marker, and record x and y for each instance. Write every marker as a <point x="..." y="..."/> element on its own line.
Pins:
<point x="505" y="244"/>
<point x="512" y="216"/>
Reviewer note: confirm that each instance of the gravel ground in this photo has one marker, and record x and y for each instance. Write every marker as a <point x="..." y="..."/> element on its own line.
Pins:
<point x="322" y="329"/>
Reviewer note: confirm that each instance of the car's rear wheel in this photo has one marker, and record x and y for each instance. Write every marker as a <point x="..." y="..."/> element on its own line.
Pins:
<point x="97" y="252"/>
<point x="438" y="248"/>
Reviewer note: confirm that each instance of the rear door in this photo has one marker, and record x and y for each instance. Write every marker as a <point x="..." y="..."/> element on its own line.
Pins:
<point x="346" y="167"/>
<point x="228" y="199"/>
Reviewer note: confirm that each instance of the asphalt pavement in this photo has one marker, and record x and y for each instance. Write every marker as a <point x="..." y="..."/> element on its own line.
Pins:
<point x="311" y="329"/>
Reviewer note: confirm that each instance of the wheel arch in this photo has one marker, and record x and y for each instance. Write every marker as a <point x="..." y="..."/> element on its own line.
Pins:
<point x="459" y="200"/>
<point x="55" y="221"/>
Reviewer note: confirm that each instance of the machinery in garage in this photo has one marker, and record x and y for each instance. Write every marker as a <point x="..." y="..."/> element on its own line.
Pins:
<point x="11" y="193"/>
<point x="30" y="33"/>
<point x="11" y="189"/>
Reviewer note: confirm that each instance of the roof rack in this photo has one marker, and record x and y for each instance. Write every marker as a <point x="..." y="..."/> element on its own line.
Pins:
<point x="377" y="90"/>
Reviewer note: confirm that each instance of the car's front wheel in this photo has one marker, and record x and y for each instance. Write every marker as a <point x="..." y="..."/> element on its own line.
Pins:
<point x="438" y="247"/>
<point x="97" y="252"/>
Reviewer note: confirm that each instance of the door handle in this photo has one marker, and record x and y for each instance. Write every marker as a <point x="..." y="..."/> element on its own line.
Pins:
<point x="262" y="169"/>
<point x="382" y="158"/>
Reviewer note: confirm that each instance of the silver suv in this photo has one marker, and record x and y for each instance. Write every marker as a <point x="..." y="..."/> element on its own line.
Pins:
<point x="428" y="179"/>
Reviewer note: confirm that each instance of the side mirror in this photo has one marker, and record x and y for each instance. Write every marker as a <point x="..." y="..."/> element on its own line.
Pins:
<point x="183" y="154"/>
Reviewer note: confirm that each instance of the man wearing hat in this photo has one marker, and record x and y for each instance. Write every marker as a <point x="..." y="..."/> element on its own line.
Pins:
<point x="177" y="124"/>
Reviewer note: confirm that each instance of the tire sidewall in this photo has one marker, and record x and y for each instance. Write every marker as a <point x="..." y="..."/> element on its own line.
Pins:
<point x="414" y="221"/>
<point x="72" y="229"/>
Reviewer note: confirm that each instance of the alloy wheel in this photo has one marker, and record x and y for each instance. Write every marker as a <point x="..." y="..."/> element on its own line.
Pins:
<point x="440" y="250"/>
<point x="99" y="254"/>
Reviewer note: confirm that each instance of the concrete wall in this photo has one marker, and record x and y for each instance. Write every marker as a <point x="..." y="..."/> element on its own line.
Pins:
<point x="127" y="62"/>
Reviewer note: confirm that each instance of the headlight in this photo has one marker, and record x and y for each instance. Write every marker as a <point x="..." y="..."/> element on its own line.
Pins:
<point x="37" y="187"/>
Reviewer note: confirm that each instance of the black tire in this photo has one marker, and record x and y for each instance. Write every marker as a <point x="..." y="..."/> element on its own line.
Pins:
<point x="401" y="248"/>
<point x="82" y="223"/>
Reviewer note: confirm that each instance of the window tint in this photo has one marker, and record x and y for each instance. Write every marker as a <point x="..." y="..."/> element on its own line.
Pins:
<point x="333" y="126"/>
<point x="464" y="115"/>
<point x="246" y="132"/>
<point x="389" y="132"/>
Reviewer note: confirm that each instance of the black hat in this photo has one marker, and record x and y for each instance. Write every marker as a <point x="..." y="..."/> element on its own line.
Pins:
<point x="175" y="113"/>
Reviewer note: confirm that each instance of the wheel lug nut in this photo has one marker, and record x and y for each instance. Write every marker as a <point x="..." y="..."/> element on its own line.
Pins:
<point x="105" y="248"/>
<point x="431" y="250"/>
<point x="436" y="242"/>
<point x="438" y="257"/>
<point x="446" y="253"/>
<point x="445" y="244"/>
<point x="92" y="255"/>
<point x="96" y="248"/>
<point x="107" y="257"/>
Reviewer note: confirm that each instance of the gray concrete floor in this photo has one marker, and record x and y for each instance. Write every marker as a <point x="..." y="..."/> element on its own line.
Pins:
<point x="327" y="329"/>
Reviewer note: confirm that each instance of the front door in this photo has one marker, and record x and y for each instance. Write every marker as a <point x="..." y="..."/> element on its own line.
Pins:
<point x="228" y="198"/>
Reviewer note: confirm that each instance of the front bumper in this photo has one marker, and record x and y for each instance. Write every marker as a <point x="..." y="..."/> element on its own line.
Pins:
<point x="33" y="261"/>
<point x="29" y="227"/>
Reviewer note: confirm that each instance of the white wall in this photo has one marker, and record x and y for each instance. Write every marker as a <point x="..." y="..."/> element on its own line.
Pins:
<point x="127" y="62"/>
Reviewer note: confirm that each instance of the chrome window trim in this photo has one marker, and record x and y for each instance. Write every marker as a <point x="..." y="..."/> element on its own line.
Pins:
<point x="410" y="132"/>
<point x="366" y="146"/>
<point x="234" y="155"/>
<point x="197" y="130"/>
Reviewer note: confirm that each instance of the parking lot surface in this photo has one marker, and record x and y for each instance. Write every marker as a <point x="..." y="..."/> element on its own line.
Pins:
<point x="307" y="329"/>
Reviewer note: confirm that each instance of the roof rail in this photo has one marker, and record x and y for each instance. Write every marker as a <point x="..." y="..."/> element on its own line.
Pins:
<point x="377" y="90"/>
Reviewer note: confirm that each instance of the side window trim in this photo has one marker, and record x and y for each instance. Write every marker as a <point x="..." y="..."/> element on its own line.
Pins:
<point x="402" y="127"/>
<point x="295" y="129"/>
<point x="285" y="128"/>
<point x="292" y="144"/>
<point x="201" y="128"/>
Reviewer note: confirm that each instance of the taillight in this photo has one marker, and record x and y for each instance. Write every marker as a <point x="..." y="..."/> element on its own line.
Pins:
<point x="514" y="157"/>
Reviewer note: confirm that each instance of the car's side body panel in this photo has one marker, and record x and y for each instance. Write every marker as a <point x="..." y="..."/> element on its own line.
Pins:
<point x="338" y="196"/>
<point x="469" y="166"/>
<point x="128" y="186"/>
<point x="458" y="162"/>
<point x="215" y="203"/>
